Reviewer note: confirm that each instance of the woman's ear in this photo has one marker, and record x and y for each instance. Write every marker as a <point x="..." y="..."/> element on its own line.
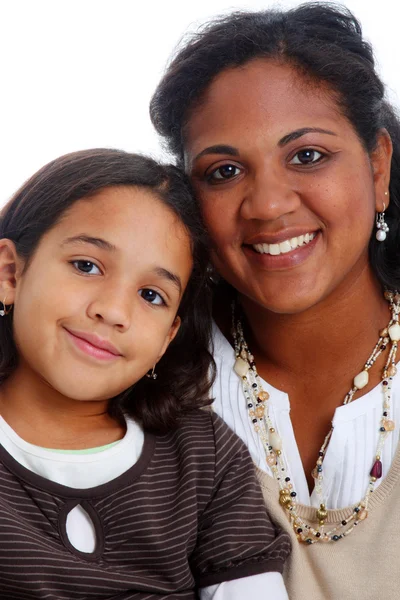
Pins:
<point x="10" y="268"/>
<point x="381" y="159"/>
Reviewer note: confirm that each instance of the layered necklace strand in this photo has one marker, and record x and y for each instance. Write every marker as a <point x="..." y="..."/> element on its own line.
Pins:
<point x="257" y="405"/>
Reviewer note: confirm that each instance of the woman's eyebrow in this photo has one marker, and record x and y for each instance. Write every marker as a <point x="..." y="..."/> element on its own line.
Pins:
<point x="294" y="135"/>
<point x="87" y="239"/>
<point x="218" y="149"/>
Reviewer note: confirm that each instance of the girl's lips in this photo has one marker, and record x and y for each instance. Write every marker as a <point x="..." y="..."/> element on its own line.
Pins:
<point x="282" y="261"/>
<point x="90" y="348"/>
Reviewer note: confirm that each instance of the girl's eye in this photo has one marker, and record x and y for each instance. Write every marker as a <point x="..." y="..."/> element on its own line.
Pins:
<point x="308" y="156"/>
<point x="87" y="267"/>
<point x="151" y="296"/>
<point x="224" y="173"/>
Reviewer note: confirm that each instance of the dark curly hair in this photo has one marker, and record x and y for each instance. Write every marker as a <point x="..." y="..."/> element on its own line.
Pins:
<point x="321" y="40"/>
<point x="186" y="371"/>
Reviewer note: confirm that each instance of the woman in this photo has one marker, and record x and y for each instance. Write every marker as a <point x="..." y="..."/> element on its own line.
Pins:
<point x="280" y="120"/>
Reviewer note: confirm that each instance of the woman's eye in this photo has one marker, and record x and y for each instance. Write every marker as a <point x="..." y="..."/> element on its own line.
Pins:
<point x="308" y="156"/>
<point x="87" y="267"/>
<point x="224" y="173"/>
<point x="151" y="296"/>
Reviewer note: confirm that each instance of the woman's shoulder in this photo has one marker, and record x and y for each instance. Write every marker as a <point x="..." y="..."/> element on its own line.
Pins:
<point x="223" y="352"/>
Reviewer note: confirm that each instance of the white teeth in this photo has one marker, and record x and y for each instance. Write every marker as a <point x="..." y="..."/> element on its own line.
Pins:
<point x="285" y="246"/>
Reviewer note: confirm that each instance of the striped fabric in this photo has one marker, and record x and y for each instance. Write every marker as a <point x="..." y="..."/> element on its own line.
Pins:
<point x="188" y="514"/>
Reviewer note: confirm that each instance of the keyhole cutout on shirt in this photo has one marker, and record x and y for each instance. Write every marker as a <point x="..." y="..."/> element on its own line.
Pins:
<point x="80" y="530"/>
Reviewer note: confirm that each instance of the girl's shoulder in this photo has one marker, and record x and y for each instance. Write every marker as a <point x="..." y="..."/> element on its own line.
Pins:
<point x="203" y="435"/>
<point x="205" y="422"/>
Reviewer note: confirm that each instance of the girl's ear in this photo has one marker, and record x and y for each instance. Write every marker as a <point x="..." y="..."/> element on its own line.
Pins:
<point x="171" y="334"/>
<point x="10" y="269"/>
<point x="381" y="158"/>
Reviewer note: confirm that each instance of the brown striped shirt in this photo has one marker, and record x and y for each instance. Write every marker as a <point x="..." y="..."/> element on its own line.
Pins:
<point x="187" y="514"/>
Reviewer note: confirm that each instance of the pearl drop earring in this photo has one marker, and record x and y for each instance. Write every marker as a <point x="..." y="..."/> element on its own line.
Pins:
<point x="4" y="310"/>
<point x="381" y="225"/>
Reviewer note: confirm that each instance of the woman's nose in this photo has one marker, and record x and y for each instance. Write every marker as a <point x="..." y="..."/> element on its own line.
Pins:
<point x="269" y="196"/>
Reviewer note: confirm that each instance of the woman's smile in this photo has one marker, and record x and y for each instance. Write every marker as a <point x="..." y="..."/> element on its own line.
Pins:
<point x="287" y="254"/>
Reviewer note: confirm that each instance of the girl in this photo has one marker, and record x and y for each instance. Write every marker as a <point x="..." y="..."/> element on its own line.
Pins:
<point x="112" y="484"/>
<point x="281" y="121"/>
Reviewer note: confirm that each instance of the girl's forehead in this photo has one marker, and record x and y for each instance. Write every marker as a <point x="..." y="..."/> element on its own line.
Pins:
<point x="131" y="223"/>
<point x="123" y="207"/>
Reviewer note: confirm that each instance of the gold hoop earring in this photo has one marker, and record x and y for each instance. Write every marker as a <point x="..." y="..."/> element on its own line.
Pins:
<point x="4" y="310"/>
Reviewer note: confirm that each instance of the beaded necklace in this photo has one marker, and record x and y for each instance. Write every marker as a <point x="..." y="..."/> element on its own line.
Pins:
<point x="257" y="404"/>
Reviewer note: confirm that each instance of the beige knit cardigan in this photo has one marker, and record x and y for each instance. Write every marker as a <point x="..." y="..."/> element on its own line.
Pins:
<point x="365" y="565"/>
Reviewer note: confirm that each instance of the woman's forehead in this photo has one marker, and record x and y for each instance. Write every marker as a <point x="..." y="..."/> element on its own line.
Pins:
<point x="262" y="97"/>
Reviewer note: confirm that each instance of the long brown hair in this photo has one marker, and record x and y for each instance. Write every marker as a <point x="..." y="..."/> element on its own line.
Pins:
<point x="186" y="371"/>
<point x="322" y="41"/>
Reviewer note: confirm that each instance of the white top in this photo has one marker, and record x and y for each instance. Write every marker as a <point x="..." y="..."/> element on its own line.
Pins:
<point x="352" y="447"/>
<point x="83" y="471"/>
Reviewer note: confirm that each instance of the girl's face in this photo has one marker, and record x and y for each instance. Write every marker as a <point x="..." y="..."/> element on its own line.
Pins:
<point x="287" y="190"/>
<point x="97" y="305"/>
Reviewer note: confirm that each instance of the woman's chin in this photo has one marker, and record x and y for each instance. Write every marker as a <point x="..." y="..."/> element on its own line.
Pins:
<point x="283" y="299"/>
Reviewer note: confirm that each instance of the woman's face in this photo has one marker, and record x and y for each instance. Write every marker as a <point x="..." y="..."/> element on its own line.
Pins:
<point x="287" y="190"/>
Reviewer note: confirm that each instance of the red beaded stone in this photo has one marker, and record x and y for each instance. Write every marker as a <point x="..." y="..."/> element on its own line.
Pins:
<point x="376" y="470"/>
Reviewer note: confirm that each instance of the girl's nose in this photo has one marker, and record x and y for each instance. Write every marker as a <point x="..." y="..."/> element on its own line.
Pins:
<point x="113" y="307"/>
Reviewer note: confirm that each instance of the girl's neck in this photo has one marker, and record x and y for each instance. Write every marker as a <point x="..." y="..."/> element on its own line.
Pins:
<point x="44" y="417"/>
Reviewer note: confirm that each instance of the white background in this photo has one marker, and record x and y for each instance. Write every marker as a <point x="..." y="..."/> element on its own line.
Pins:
<point x="77" y="74"/>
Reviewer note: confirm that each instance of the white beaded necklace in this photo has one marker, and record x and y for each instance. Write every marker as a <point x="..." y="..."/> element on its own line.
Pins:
<point x="257" y="405"/>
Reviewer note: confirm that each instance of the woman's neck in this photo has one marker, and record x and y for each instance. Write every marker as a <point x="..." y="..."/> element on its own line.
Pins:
<point x="314" y="356"/>
<point x="337" y="333"/>
<point x="44" y="417"/>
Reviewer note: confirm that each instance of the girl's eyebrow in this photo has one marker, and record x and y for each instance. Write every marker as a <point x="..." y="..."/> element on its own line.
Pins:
<point x="165" y="274"/>
<point x="87" y="239"/>
<point x="104" y="245"/>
